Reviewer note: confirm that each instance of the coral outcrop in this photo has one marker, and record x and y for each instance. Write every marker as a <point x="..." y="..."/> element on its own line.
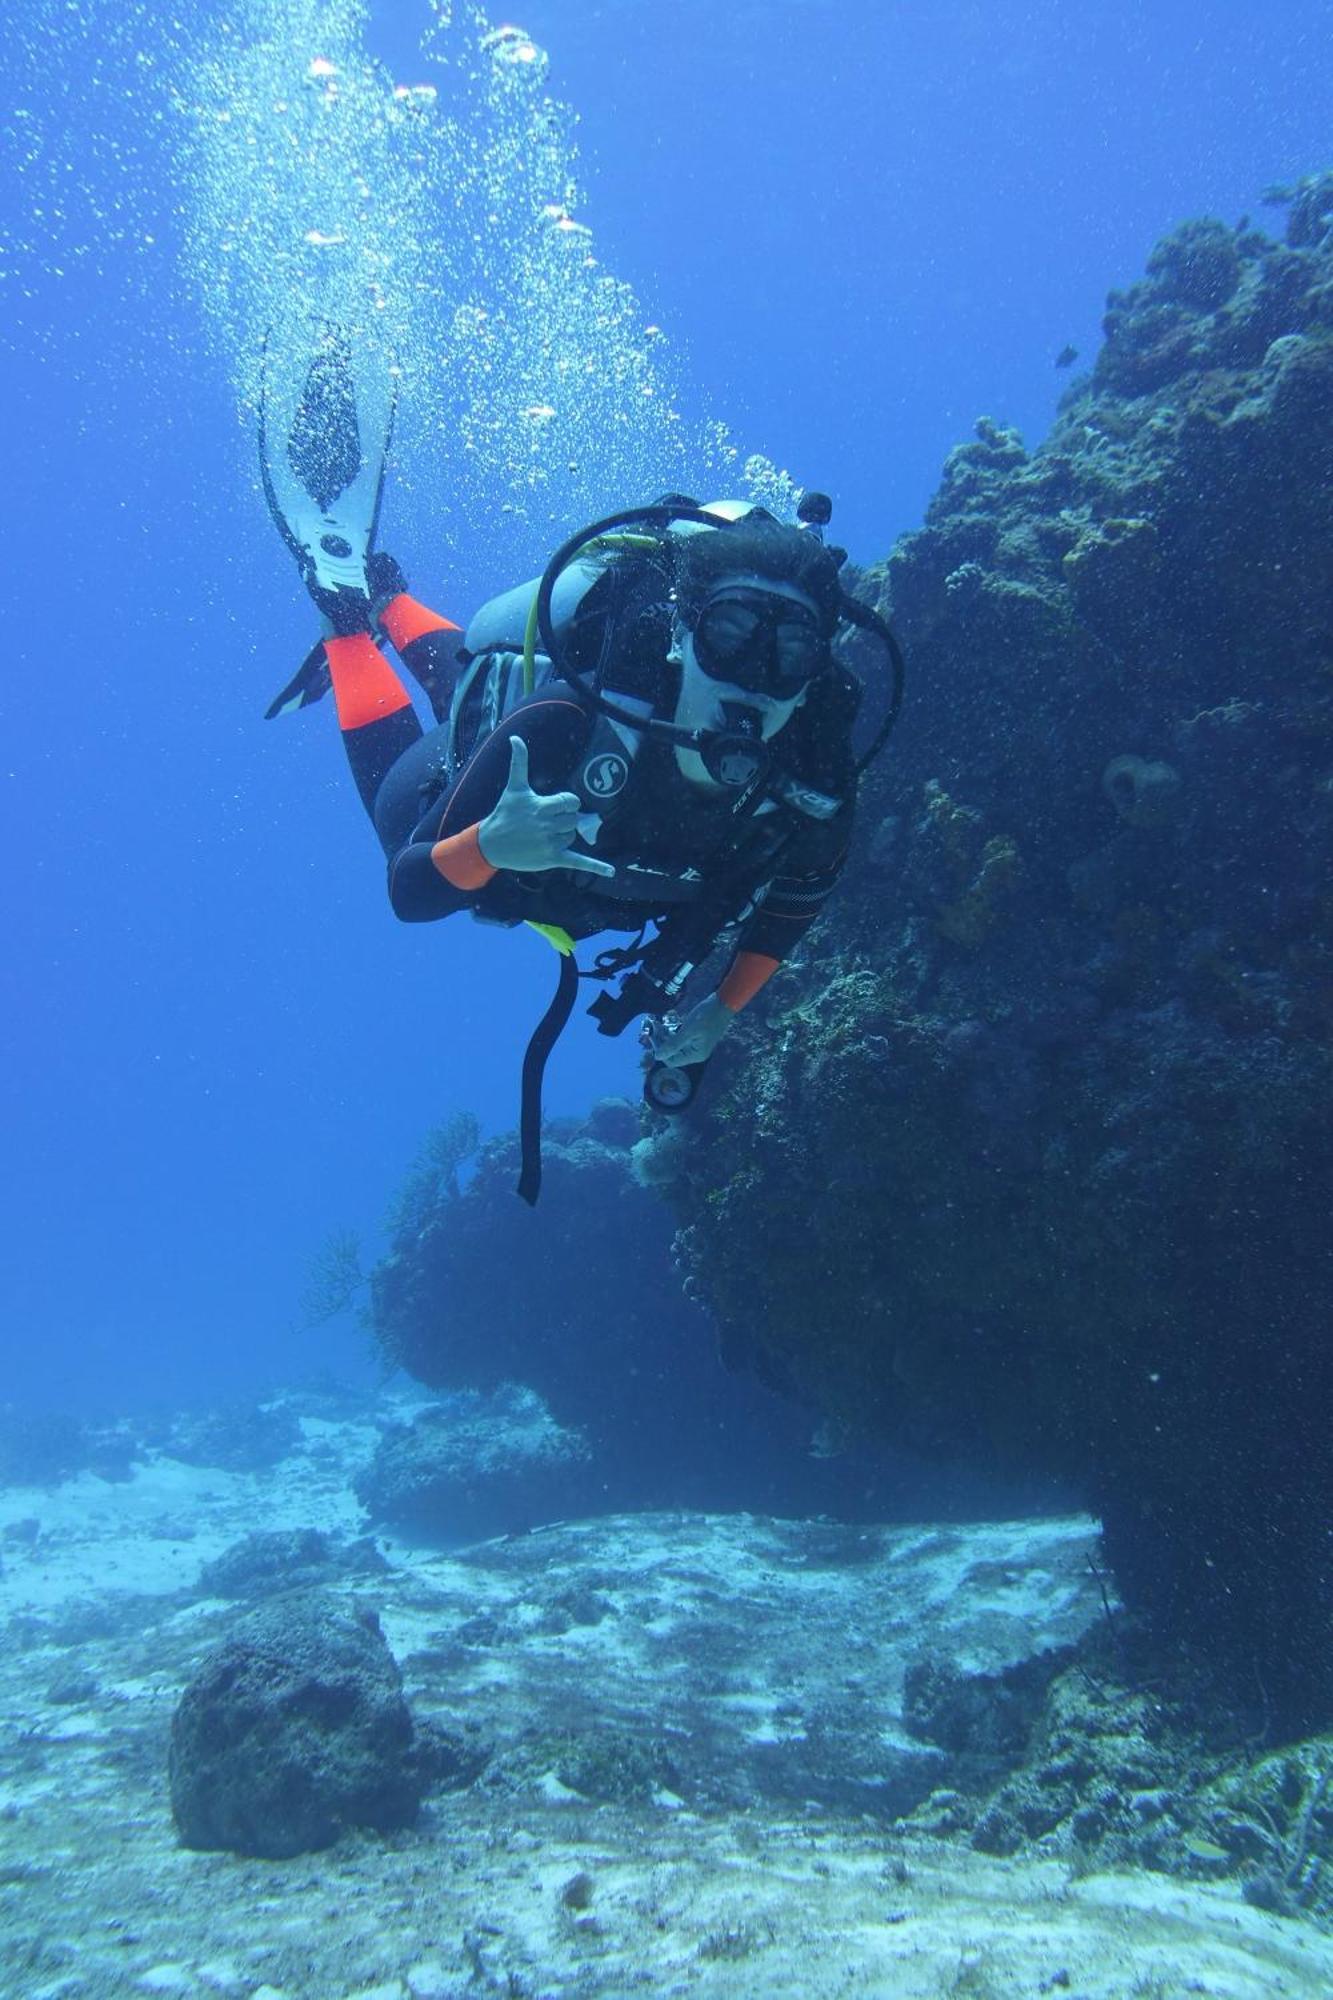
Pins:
<point x="293" y="1730"/>
<point x="476" y="1466"/>
<point x="1050" y="1088"/>
<point x="273" y="1561"/>
<point x="578" y="1301"/>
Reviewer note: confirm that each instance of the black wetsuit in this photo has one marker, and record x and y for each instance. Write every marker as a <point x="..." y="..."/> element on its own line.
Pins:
<point x="658" y="820"/>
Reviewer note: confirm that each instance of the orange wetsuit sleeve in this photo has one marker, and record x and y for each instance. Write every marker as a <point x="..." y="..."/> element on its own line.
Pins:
<point x="750" y="970"/>
<point x="460" y="860"/>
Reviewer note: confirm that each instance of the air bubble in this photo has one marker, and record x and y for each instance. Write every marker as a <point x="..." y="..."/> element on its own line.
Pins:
<point x="437" y="222"/>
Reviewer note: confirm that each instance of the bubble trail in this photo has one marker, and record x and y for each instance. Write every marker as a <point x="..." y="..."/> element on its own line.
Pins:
<point x="435" y="221"/>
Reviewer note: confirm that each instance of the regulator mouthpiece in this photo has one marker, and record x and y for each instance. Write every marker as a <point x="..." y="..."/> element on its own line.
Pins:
<point x="734" y="755"/>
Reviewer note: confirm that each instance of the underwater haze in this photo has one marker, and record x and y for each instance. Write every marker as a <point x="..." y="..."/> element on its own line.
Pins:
<point x="870" y="1530"/>
<point x="854" y="229"/>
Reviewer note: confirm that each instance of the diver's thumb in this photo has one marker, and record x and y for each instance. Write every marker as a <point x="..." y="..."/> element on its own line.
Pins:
<point x="517" y="780"/>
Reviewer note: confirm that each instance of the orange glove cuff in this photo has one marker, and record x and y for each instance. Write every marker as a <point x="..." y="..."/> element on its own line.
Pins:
<point x="751" y="970"/>
<point x="460" y="860"/>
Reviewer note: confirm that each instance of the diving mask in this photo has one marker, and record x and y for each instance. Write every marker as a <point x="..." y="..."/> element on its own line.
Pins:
<point x="759" y="641"/>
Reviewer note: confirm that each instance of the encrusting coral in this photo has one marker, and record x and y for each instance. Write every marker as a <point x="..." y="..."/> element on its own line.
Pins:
<point x="1049" y="1089"/>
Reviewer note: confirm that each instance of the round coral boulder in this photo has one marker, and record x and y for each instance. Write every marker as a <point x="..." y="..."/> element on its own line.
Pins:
<point x="293" y="1730"/>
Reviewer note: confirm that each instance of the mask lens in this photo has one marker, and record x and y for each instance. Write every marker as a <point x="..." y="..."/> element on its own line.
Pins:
<point x="798" y="651"/>
<point x="762" y="643"/>
<point x="732" y="629"/>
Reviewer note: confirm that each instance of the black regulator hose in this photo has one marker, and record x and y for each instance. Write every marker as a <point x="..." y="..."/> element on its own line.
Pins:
<point x="656" y="517"/>
<point x="866" y="620"/>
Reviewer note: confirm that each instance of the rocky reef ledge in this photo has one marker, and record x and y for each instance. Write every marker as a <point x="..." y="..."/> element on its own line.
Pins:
<point x="1050" y="1091"/>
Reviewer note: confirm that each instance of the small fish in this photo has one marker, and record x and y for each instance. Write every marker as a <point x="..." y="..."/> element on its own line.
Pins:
<point x="1066" y="357"/>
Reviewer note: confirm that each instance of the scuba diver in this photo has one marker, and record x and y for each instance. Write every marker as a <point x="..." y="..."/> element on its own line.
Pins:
<point x="653" y="738"/>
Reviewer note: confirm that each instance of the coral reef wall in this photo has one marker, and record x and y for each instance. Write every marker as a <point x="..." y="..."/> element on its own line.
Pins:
<point x="1049" y="1093"/>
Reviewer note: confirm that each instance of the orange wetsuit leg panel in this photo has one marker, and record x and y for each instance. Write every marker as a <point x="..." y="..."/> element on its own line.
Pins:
<point x="426" y="644"/>
<point x="375" y="711"/>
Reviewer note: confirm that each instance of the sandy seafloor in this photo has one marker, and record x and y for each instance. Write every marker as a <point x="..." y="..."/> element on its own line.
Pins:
<point x="769" y="1652"/>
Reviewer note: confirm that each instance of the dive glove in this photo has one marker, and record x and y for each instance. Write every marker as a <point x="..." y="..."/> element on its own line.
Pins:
<point x="696" y="1037"/>
<point x="530" y="831"/>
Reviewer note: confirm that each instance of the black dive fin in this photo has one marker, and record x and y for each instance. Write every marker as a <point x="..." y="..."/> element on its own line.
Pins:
<point x="324" y="437"/>
<point x="309" y="683"/>
<point x="324" y="443"/>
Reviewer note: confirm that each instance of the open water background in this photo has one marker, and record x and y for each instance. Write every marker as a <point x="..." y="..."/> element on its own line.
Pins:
<point x="860" y="226"/>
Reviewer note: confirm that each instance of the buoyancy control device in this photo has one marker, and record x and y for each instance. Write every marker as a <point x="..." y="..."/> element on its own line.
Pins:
<point x="587" y="622"/>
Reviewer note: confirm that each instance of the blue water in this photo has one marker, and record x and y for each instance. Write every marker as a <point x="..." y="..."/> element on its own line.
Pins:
<point x="860" y="226"/>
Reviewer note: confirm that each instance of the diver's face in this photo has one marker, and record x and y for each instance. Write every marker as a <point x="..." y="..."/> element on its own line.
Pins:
<point x="744" y="629"/>
<point x="760" y="635"/>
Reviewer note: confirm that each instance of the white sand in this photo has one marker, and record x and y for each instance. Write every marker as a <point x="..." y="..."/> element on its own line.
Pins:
<point x="766" y="1655"/>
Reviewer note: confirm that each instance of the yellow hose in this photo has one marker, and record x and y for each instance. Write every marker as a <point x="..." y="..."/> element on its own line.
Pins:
<point x="553" y="934"/>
